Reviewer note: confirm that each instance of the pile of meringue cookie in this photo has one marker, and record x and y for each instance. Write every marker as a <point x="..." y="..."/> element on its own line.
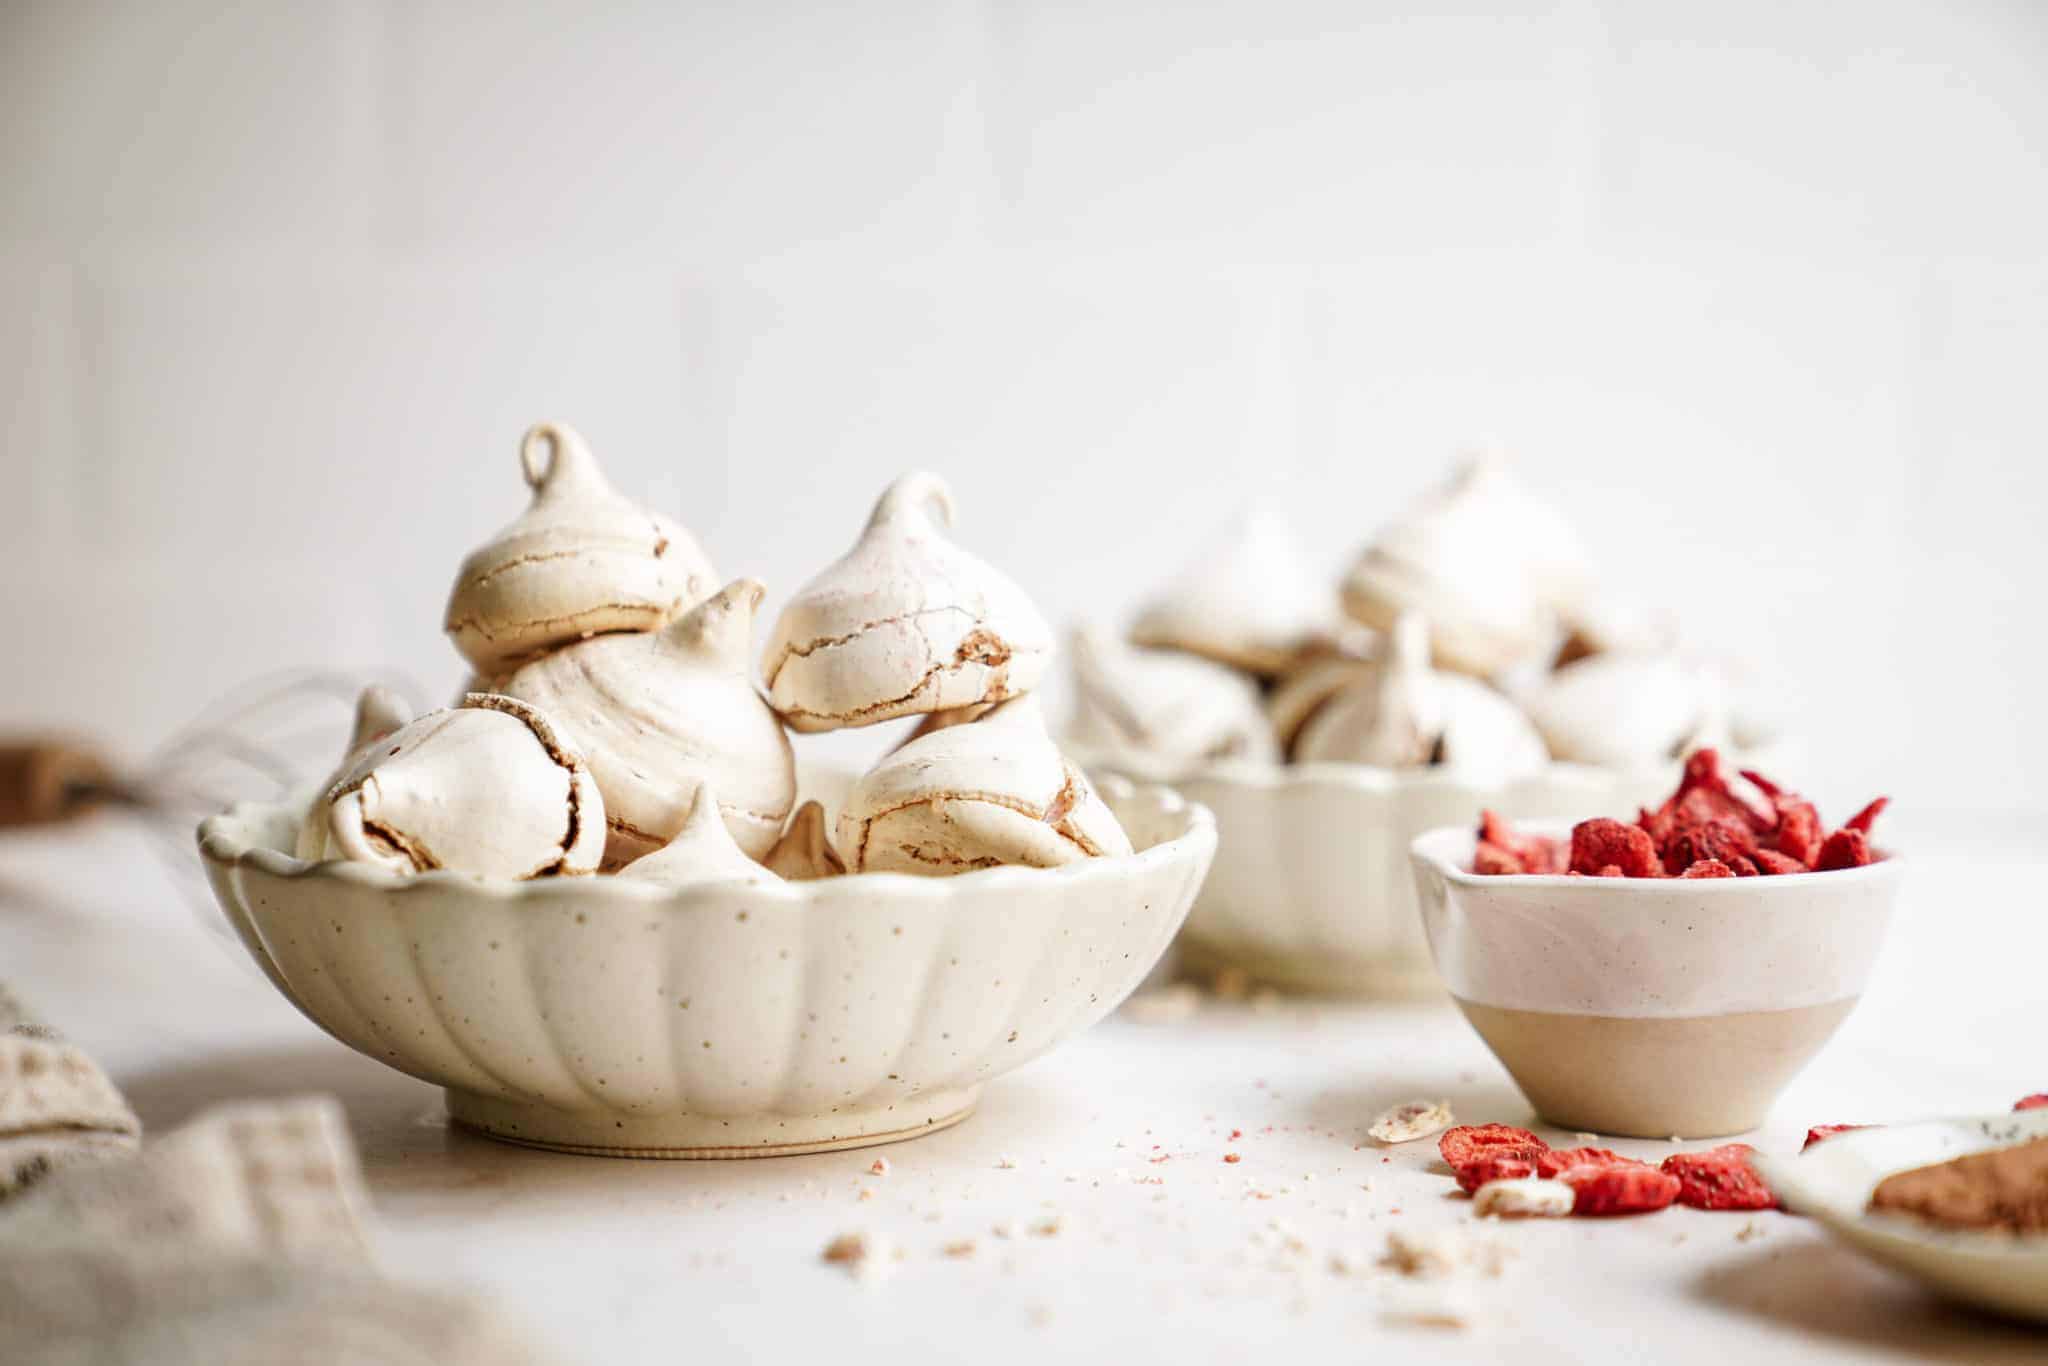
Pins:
<point x="1471" y="636"/>
<point x="612" y="724"/>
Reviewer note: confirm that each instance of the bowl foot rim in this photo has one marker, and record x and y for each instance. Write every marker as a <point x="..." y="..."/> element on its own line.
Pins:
<point x="679" y="1136"/>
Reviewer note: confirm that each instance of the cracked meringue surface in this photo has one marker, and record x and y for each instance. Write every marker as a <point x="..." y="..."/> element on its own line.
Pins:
<point x="986" y="793"/>
<point x="581" y="560"/>
<point x="1253" y="603"/>
<point x="1165" y="706"/>
<point x="379" y="712"/>
<point x="658" y="713"/>
<point x="906" y="622"/>
<point x="491" y="787"/>
<point x="701" y="852"/>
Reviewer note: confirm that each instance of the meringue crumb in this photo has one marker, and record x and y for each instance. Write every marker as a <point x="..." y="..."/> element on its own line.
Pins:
<point x="1006" y="1229"/>
<point x="1410" y="1120"/>
<point x="1006" y="1163"/>
<point x="867" y="1193"/>
<point x="880" y="1168"/>
<point x="866" y="1256"/>
<point x="963" y="1248"/>
<point x="1049" y="1227"/>
<point x="1585" y="1139"/>
<point x="1443" y="1252"/>
<point x="1675" y="1139"/>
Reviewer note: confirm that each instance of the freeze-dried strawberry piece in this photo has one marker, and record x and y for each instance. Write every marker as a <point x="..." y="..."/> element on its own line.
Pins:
<point x="1598" y="844"/>
<point x="1705" y="776"/>
<point x="1770" y="863"/>
<point x="1558" y="1161"/>
<point x="1480" y="1171"/>
<point x="1719" y="838"/>
<point x="1800" y="833"/>
<point x="1867" y="817"/>
<point x="2038" y="1101"/>
<point x="1611" y="870"/>
<point x="1820" y="1133"/>
<point x="1507" y="850"/>
<point x="1619" y="1188"/>
<point x="1720" y="1178"/>
<point x="1468" y="1143"/>
<point x="1708" y="867"/>
<point x="1845" y="848"/>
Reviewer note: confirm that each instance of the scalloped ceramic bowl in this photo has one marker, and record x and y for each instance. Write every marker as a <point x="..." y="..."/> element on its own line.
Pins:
<point x="1312" y="889"/>
<point x="1651" y="1007"/>
<point x="1832" y="1182"/>
<point x="608" y="1016"/>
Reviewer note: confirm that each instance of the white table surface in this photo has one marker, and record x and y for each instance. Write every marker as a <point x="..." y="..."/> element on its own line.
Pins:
<point x="1186" y="1259"/>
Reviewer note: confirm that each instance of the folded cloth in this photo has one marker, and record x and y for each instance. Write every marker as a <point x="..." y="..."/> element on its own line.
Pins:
<point x="237" y="1239"/>
<point x="56" y="1106"/>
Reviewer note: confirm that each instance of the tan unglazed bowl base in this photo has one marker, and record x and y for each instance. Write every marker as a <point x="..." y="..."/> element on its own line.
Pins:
<point x="1701" y="1077"/>
<point x="685" y="1137"/>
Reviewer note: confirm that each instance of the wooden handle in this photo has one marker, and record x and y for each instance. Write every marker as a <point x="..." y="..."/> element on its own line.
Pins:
<point x="47" y="781"/>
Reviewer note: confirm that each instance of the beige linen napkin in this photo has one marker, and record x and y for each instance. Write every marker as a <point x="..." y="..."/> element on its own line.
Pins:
<point x="56" y="1106"/>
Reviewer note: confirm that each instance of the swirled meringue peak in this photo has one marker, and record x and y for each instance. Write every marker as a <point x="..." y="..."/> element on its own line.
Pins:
<point x="1406" y="714"/>
<point x="1253" y="603"/>
<point x="581" y="560"/>
<point x="905" y="623"/>
<point x="1487" y="562"/>
<point x="982" y="794"/>
<point x="658" y="713"/>
<point x="1163" y="708"/>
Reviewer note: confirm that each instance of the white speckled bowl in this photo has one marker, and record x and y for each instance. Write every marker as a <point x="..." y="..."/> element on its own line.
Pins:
<point x="1832" y="1182"/>
<point x="1312" y="890"/>
<point x="1651" y="1006"/>
<point x="608" y="1016"/>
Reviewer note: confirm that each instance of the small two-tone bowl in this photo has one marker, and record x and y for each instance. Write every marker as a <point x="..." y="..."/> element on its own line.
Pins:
<point x="1651" y="1007"/>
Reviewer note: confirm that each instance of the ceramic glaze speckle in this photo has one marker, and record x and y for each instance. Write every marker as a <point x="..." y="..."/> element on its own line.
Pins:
<point x="1639" y="948"/>
<point x="604" y="1014"/>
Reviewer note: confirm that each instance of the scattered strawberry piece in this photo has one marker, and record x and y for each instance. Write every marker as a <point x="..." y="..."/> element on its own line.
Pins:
<point x="1867" y="817"/>
<point x="1705" y="777"/>
<point x="1708" y="867"/>
<point x="1507" y="1167"/>
<point x="1504" y="850"/>
<point x="1601" y="844"/>
<point x="1720" y="1178"/>
<point x="1467" y="1143"/>
<point x="1718" y="839"/>
<point x="1490" y="860"/>
<point x="1619" y="1188"/>
<point x="1820" y="1133"/>
<point x="1799" y="832"/>
<point x="1770" y="863"/>
<point x="2038" y="1101"/>
<point x="1845" y="848"/>
<point x="1558" y="1161"/>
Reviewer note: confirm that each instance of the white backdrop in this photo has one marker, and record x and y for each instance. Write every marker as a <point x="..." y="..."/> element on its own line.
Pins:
<point x="1759" y="290"/>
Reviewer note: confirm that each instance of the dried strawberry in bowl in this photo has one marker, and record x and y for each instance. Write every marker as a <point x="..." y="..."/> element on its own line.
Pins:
<point x="1667" y="975"/>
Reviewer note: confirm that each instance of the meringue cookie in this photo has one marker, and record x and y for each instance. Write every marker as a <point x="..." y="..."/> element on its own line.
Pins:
<point x="1486" y="562"/>
<point x="1255" y="604"/>
<point x="906" y="622"/>
<point x="490" y="787"/>
<point x="379" y="712"/>
<point x="1410" y="715"/>
<point x="805" y="852"/>
<point x="1164" y="706"/>
<point x="995" y="791"/>
<point x="701" y="852"/>
<point x="580" y="560"/>
<point x="661" y="712"/>
<point x="1629" y="711"/>
<point x="1307" y="688"/>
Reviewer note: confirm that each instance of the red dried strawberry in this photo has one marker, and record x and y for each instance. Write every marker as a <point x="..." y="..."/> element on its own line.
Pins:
<point x="1720" y="1178"/>
<point x="1619" y="1188"/>
<point x="1476" y="1173"/>
<point x="1845" y="848"/>
<point x="1598" y="844"/>
<point x="1558" y="1161"/>
<point x="1867" y="817"/>
<point x="1611" y="870"/>
<point x="1822" y="1132"/>
<point x="1708" y="867"/>
<point x="1706" y="780"/>
<point x="1718" y="838"/>
<point x="1467" y="1143"/>
<point x="1526" y="853"/>
<point x="1493" y="861"/>
<point x="1799" y="832"/>
<point x="2038" y="1101"/>
<point x="1769" y="862"/>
